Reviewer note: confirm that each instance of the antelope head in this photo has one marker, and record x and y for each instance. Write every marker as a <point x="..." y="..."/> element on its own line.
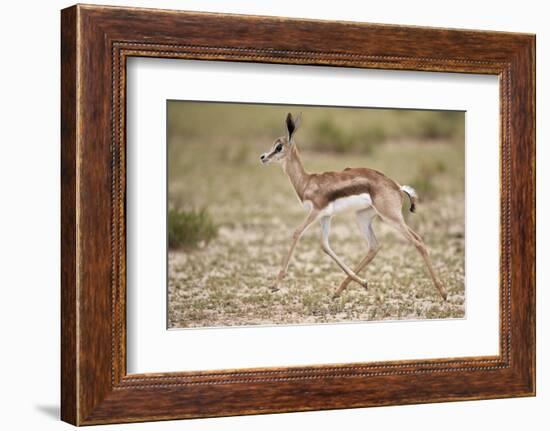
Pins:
<point x="282" y="146"/>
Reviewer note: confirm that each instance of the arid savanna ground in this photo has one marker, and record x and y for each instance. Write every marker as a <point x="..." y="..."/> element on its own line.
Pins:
<point x="231" y="219"/>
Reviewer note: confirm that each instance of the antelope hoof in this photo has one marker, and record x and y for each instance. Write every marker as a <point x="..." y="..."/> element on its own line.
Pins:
<point x="365" y="284"/>
<point x="336" y="295"/>
<point x="274" y="288"/>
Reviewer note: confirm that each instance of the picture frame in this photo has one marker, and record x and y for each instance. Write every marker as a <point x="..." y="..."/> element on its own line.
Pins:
<point x="96" y="42"/>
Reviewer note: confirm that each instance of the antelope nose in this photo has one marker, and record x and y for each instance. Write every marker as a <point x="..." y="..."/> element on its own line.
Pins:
<point x="262" y="157"/>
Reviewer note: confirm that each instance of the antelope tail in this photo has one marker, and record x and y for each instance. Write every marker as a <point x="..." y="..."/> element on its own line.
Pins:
<point x="413" y="197"/>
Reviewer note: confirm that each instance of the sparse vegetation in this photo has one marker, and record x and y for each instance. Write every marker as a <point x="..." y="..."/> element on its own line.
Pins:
<point x="189" y="228"/>
<point x="352" y="129"/>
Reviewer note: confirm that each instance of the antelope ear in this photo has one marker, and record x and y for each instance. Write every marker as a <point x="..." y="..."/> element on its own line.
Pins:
<point x="292" y="125"/>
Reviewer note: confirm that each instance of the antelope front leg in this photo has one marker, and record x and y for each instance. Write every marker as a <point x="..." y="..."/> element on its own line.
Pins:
<point x="295" y="238"/>
<point x="325" y="228"/>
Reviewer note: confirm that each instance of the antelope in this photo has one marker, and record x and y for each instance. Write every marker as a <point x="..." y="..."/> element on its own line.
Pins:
<point x="367" y="192"/>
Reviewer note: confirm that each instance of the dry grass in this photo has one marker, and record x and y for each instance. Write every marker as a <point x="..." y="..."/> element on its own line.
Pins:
<point x="226" y="282"/>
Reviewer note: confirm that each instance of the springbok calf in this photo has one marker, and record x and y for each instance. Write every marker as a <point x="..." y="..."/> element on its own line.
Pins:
<point x="367" y="192"/>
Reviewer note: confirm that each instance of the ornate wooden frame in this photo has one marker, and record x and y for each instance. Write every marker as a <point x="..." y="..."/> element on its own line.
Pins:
<point x="95" y="43"/>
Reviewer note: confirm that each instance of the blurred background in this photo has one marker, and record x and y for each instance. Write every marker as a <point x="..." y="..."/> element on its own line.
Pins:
<point x="230" y="219"/>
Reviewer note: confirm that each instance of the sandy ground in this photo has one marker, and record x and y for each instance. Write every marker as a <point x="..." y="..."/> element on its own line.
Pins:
<point x="226" y="282"/>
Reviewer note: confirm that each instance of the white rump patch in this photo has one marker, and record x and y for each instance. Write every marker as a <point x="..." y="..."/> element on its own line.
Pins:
<point x="349" y="203"/>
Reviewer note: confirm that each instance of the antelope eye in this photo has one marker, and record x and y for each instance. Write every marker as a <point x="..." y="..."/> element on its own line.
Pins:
<point x="278" y="148"/>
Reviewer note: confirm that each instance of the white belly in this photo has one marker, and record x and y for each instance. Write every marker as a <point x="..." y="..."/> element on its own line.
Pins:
<point x="349" y="203"/>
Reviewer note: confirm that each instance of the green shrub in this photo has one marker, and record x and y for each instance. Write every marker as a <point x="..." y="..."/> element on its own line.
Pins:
<point x="329" y="137"/>
<point x="367" y="138"/>
<point x="440" y="125"/>
<point x="189" y="228"/>
<point x="425" y="181"/>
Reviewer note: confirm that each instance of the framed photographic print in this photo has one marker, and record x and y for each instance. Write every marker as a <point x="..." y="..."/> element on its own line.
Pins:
<point x="267" y="215"/>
